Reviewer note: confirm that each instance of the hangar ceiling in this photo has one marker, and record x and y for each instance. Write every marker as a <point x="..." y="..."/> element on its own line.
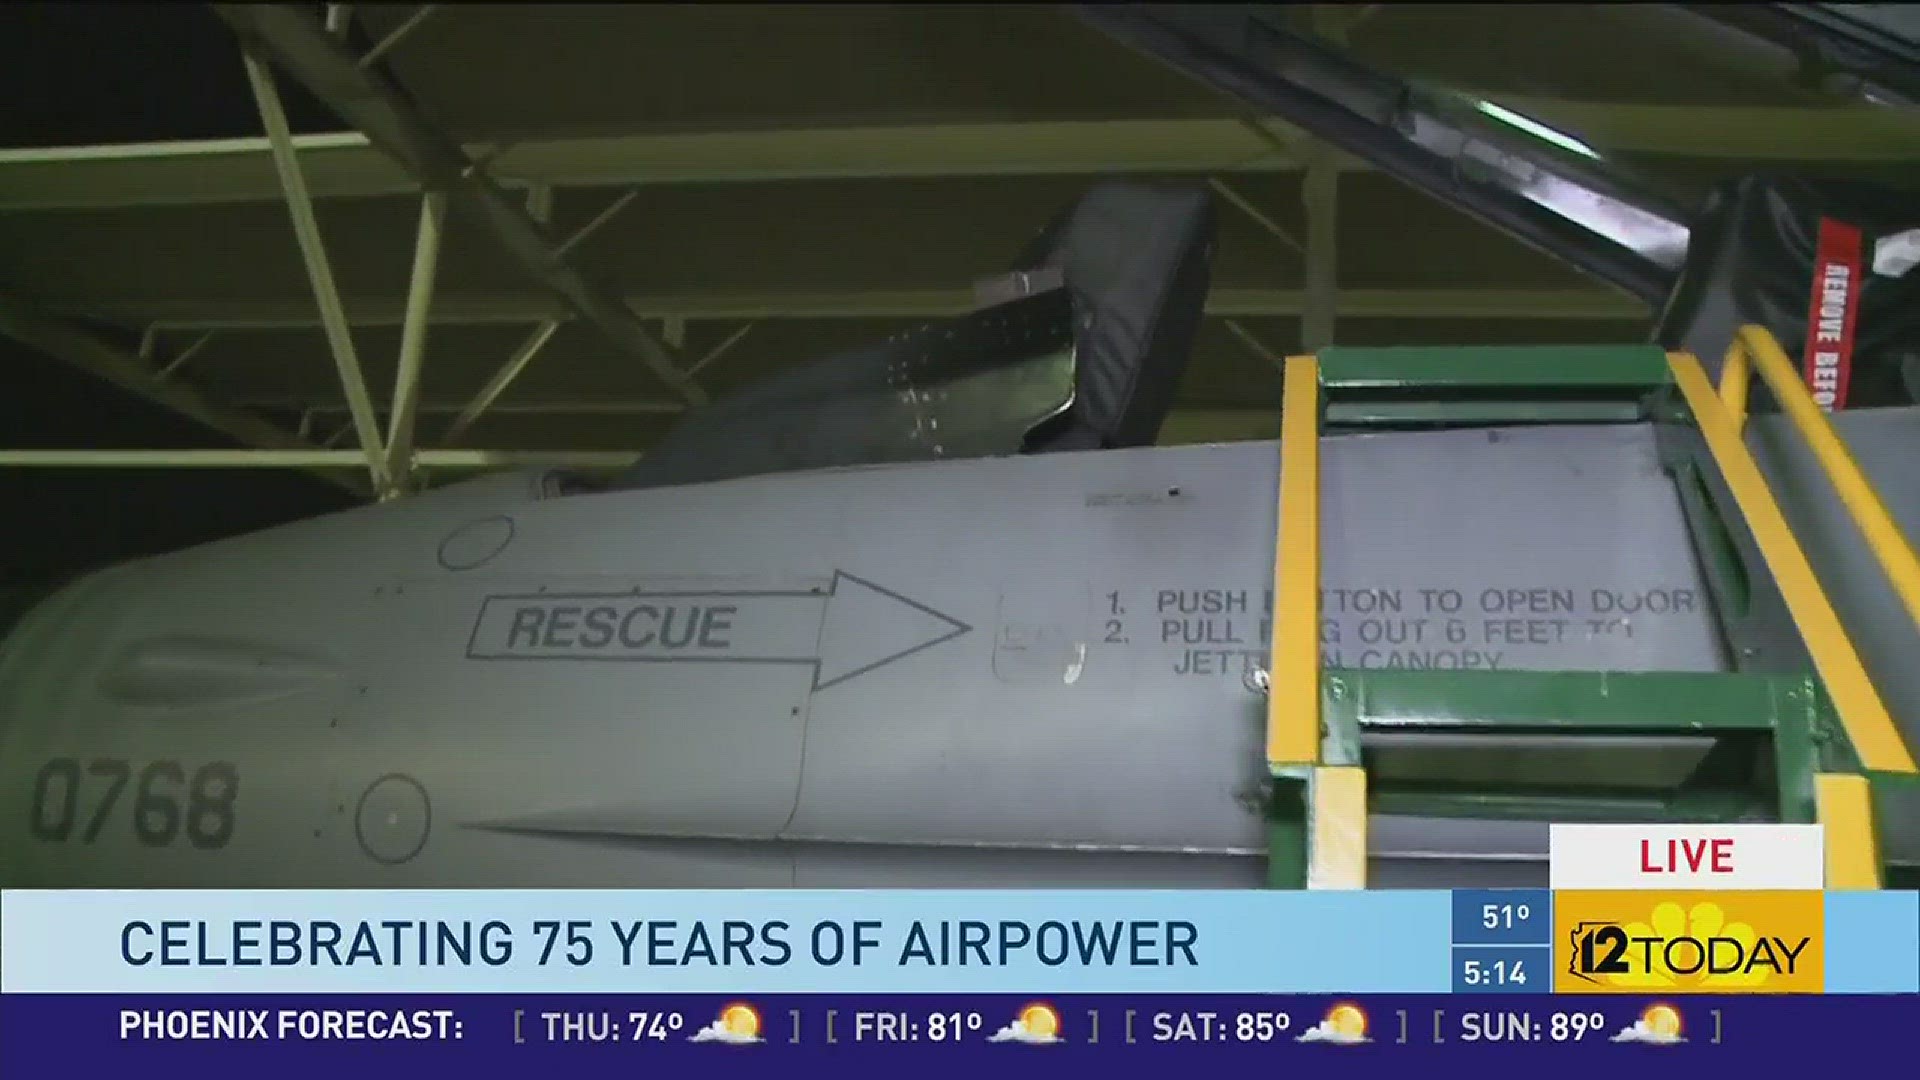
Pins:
<point x="757" y="186"/>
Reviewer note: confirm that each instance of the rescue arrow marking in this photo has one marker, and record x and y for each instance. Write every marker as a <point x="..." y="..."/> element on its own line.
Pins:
<point x="849" y="629"/>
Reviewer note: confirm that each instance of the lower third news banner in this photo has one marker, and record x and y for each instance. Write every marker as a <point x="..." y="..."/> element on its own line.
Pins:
<point x="617" y="983"/>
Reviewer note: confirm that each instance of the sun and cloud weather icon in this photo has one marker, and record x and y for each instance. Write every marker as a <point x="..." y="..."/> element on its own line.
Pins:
<point x="1669" y="921"/>
<point x="1659" y="1025"/>
<point x="738" y="1024"/>
<point x="1344" y="1025"/>
<point x="1037" y="1024"/>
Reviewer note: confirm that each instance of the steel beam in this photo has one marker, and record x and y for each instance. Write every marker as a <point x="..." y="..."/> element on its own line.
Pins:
<point x="1320" y="192"/>
<point x="298" y="45"/>
<point x="487" y="396"/>
<point x="346" y="165"/>
<point x="413" y="339"/>
<point x="721" y="349"/>
<point x="540" y="203"/>
<point x="1228" y="301"/>
<point x="599" y="219"/>
<point x="313" y="252"/>
<point x="180" y="358"/>
<point x="501" y="379"/>
<point x="1188" y="424"/>
<point x="1258" y="347"/>
<point x="1183" y="426"/>
<point x="1258" y="216"/>
<point x="310" y="459"/>
<point x="342" y="165"/>
<point x="386" y="44"/>
<point x="540" y="406"/>
<point x="102" y="359"/>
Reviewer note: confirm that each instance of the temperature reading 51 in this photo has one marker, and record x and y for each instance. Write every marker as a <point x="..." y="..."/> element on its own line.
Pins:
<point x="1504" y="916"/>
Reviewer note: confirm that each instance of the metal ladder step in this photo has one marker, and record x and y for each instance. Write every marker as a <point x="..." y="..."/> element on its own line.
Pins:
<point x="1822" y="738"/>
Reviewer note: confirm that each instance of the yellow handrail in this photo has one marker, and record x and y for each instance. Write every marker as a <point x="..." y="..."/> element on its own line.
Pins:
<point x="1869" y="727"/>
<point x="1293" y="689"/>
<point x="1895" y="555"/>
<point x="1336" y="802"/>
<point x="1844" y="807"/>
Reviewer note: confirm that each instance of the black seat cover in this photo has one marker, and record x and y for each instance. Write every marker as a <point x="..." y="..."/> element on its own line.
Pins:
<point x="1136" y="259"/>
<point x="1132" y="260"/>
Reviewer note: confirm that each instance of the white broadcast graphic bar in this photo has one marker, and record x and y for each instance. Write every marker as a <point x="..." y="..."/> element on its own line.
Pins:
<point x="1594" y="857"/>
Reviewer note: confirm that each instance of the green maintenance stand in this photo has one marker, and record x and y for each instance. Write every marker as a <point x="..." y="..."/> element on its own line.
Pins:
<point x="1810" y="743"/>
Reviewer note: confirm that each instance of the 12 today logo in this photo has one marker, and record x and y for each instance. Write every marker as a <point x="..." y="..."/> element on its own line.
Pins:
<point x="1701" y="942"/>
